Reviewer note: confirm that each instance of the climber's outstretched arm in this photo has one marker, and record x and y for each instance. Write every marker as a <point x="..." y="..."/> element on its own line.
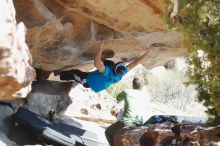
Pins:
<point x="137" y="61"/>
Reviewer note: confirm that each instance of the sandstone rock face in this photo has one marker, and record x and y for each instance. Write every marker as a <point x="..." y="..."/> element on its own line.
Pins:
<point x="168" y="134"/>
<point x="63" y="34"/>
<point x="16" y="73"/>
<point x="125" y="16"/>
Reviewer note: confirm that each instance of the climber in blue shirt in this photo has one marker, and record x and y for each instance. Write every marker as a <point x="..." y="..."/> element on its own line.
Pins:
<point x="104" y="76"/>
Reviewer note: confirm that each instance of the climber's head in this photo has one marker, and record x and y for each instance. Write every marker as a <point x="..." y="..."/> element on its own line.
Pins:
<point x="120" y="68"/>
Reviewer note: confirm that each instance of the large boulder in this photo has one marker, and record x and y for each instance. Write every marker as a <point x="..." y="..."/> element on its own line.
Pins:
<point x="168" y="134"/>
<point x="125" y="16"/>
<point x="63" y="34"/>
<point x="49" y="96"/>
<point x="16" y="73"/>
<point x="66" y="34"/>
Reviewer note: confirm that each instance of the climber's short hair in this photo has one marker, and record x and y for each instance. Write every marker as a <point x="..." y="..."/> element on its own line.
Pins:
<point x="119" y="68"/>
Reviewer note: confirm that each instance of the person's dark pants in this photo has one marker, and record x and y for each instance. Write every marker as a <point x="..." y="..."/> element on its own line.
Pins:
<point x="75" y="74"/>
<point x="112" y="129"/>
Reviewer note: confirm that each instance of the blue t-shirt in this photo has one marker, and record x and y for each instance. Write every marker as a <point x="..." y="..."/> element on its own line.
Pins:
<point x="100" y="81"/>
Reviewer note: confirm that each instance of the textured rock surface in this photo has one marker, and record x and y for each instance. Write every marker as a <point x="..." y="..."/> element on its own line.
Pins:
<point x="63" y="34"/>
<point x="16" y="73"/>
<point x="45" y="96"/>
<point x="168" y="134"/>
<point x="49" y="96"/>
<point x="4" y="141"/>
<point x="5" y="119"/>
<point x="114" y="14"/>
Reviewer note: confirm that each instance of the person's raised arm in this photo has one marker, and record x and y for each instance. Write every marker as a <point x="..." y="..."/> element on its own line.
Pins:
<point x="98" y="61"/>
<point x="137" y="61"/>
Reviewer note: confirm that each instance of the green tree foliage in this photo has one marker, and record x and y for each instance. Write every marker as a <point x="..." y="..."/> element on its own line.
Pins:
<point x="199" y="20"/>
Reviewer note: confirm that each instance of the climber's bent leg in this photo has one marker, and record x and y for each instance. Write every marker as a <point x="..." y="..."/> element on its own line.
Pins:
<point x="75" y="74"/>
